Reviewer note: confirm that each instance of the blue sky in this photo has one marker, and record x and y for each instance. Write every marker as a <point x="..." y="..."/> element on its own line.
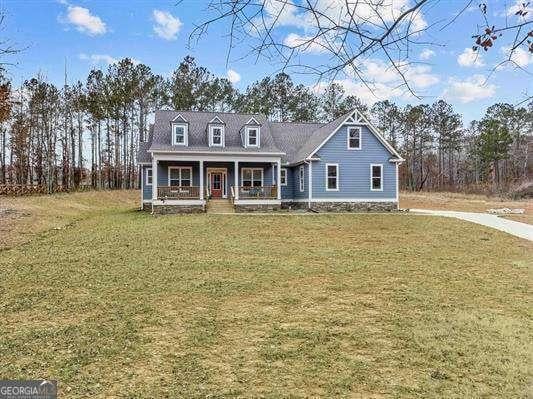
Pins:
<point x="90" y="34"/>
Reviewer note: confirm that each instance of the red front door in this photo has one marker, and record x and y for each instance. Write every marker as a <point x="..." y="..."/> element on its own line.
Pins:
<point x="216" y="185"/>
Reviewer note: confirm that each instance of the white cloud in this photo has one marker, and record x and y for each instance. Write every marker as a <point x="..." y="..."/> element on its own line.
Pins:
<point x="468" y="90"/>
<point x="84" y="21"/>
<point x="103" y="59"/>
<point x="384" y="82"/>
<point x="233" y="76"/>
<point x="166" y="25"/>
<point x="281" y="13"/>
<point x="369" y="14"/>
<point x="520" y="57"/>
<point x="519" y="5"/>
<point x="470" y="58"/>
<point x="377" y="71"/>
<point x="306" y="44"/>
<point x="426" y="54"/>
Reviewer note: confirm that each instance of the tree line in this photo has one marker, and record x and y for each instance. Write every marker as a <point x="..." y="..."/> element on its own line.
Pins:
<point x="88" y="133"/>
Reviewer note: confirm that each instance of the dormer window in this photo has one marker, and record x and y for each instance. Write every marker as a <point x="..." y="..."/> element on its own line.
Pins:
<point x="179" y="134"/>
<point x="216" y="136"/>
<point x="252" y="137"/>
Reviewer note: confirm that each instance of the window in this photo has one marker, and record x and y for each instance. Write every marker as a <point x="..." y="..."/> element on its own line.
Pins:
<point x="179" y="134"/>
<point x="354" y="138"/>
<point x="252" y="137"/>
<point x="251" y="177"/>
<point x="181" y="177"/>
<point x="216" y="136"/>
<point x="302" y="178"/>
<point x="376" y="177"/>
<point x="283" y="178"/>
<point x="332" y="177"/>
<point x="149" y="176"/>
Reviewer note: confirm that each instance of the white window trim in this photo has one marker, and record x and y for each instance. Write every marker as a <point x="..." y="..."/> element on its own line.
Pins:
<point x="180" y="179"/>
<point x="185" y="127"/>
<point x="258" y="130"/>
<point x="146" y="176"/>
<point x="301" y="178"/>
<point x="222" y="136"/>
<point x="336" y="177"/>
<point x="380" y="177"/>
<point x="283" y="171"/>
<point x="252" y="169"/>
<point x="350" y="128"/>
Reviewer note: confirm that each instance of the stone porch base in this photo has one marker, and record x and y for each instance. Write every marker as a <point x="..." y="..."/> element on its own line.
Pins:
<point x="172" y="209"/>
<point x="257" y="208"/>
<point x="344" y="206"/>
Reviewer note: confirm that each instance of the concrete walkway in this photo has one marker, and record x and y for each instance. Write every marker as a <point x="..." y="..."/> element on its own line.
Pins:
<point x="517" y="229"/>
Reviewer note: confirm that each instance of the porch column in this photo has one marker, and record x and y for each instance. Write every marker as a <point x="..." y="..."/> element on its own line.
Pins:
<point x="236" y="183"/>
<point x="278" y="180"/>
<point x="154" y="177"/>
<point x="201" y="180"/>
<point x="310" y="166"/>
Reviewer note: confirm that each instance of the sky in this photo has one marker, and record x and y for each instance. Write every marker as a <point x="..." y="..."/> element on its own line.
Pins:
<point x="84" y="34"/>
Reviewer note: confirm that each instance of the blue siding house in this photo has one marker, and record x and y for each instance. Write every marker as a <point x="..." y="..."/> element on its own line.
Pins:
<point x="192" y="158"/>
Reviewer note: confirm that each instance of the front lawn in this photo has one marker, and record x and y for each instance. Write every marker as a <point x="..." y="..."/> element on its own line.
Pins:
<point x="124" y="304"/>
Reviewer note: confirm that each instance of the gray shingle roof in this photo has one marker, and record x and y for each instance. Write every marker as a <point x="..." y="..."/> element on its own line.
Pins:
<point x="318" y="136"/>
<point x="291" y="137"/>
<point x="198" y="139"/>
<point x="142" y="155"/>
<point x="295" y="140"/>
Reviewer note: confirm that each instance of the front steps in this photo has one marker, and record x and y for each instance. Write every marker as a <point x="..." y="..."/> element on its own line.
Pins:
<point x="219" y="206"/>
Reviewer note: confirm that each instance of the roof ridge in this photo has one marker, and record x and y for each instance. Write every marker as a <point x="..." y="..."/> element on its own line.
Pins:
<point x="208" y="112"/>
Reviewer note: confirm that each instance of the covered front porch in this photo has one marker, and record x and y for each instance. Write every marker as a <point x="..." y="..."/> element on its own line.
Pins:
<point x="249" y="183"/>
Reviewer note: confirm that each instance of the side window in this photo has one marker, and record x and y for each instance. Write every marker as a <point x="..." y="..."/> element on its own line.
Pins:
<point x="283" y="179"/>
<point x="354" y="138"/>
<point x="332" y="177"/>
<point x="376" y="177"/>
<point x="149" y="176"/>
<point x="302" y="178"/>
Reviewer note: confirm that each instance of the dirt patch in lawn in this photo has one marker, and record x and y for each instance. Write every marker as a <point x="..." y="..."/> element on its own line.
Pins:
<point x="465" y="203"/>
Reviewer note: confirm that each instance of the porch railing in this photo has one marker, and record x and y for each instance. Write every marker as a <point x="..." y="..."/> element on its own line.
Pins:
<point x="260" y="192"/>
<point x="178" y="192"/>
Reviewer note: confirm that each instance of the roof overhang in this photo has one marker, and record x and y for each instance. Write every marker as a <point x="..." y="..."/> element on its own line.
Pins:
<point x="266" y="154"/>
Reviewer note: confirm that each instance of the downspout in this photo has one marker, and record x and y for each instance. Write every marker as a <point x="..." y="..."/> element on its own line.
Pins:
<point x="310" y="189"/>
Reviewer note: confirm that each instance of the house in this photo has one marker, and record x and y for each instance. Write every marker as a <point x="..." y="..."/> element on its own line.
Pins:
<point x="191" y="158"/>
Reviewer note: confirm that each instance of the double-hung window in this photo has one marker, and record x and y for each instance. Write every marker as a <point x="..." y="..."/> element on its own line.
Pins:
<point x="332" y="177"/>
<point x="354" y="138"/>
<point x="301" y="178"/>
<point x="252" y="137"/>
<point x="283" y="177"/>
<point x="376" y="177"/>
<point x="149" y="176"/>
<point x="216" y="136"/>
<point x="179" y="134"/>
<point x="180" y="176"/>
<point x="251" y="177"/>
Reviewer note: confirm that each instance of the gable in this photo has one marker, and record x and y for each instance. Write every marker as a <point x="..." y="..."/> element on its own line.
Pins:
<point x="216" y="121"/>
<point x="356" y="118"/>
<point x="372" y="150"/>
<point x="179" y="119"/>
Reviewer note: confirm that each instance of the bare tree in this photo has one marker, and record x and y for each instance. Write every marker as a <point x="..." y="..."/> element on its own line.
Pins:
<point x="349" y="33"/>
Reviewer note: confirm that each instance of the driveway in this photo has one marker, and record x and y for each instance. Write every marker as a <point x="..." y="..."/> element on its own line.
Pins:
<point x="517" y="229"/>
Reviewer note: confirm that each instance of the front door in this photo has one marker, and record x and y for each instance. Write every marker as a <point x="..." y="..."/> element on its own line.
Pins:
<point x="216" y="185"/>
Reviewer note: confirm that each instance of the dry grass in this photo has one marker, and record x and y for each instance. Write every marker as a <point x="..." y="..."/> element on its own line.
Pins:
<point x="123" y="304"/>
<point x="465" y="202"/>
<point x="23" y="217"/>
